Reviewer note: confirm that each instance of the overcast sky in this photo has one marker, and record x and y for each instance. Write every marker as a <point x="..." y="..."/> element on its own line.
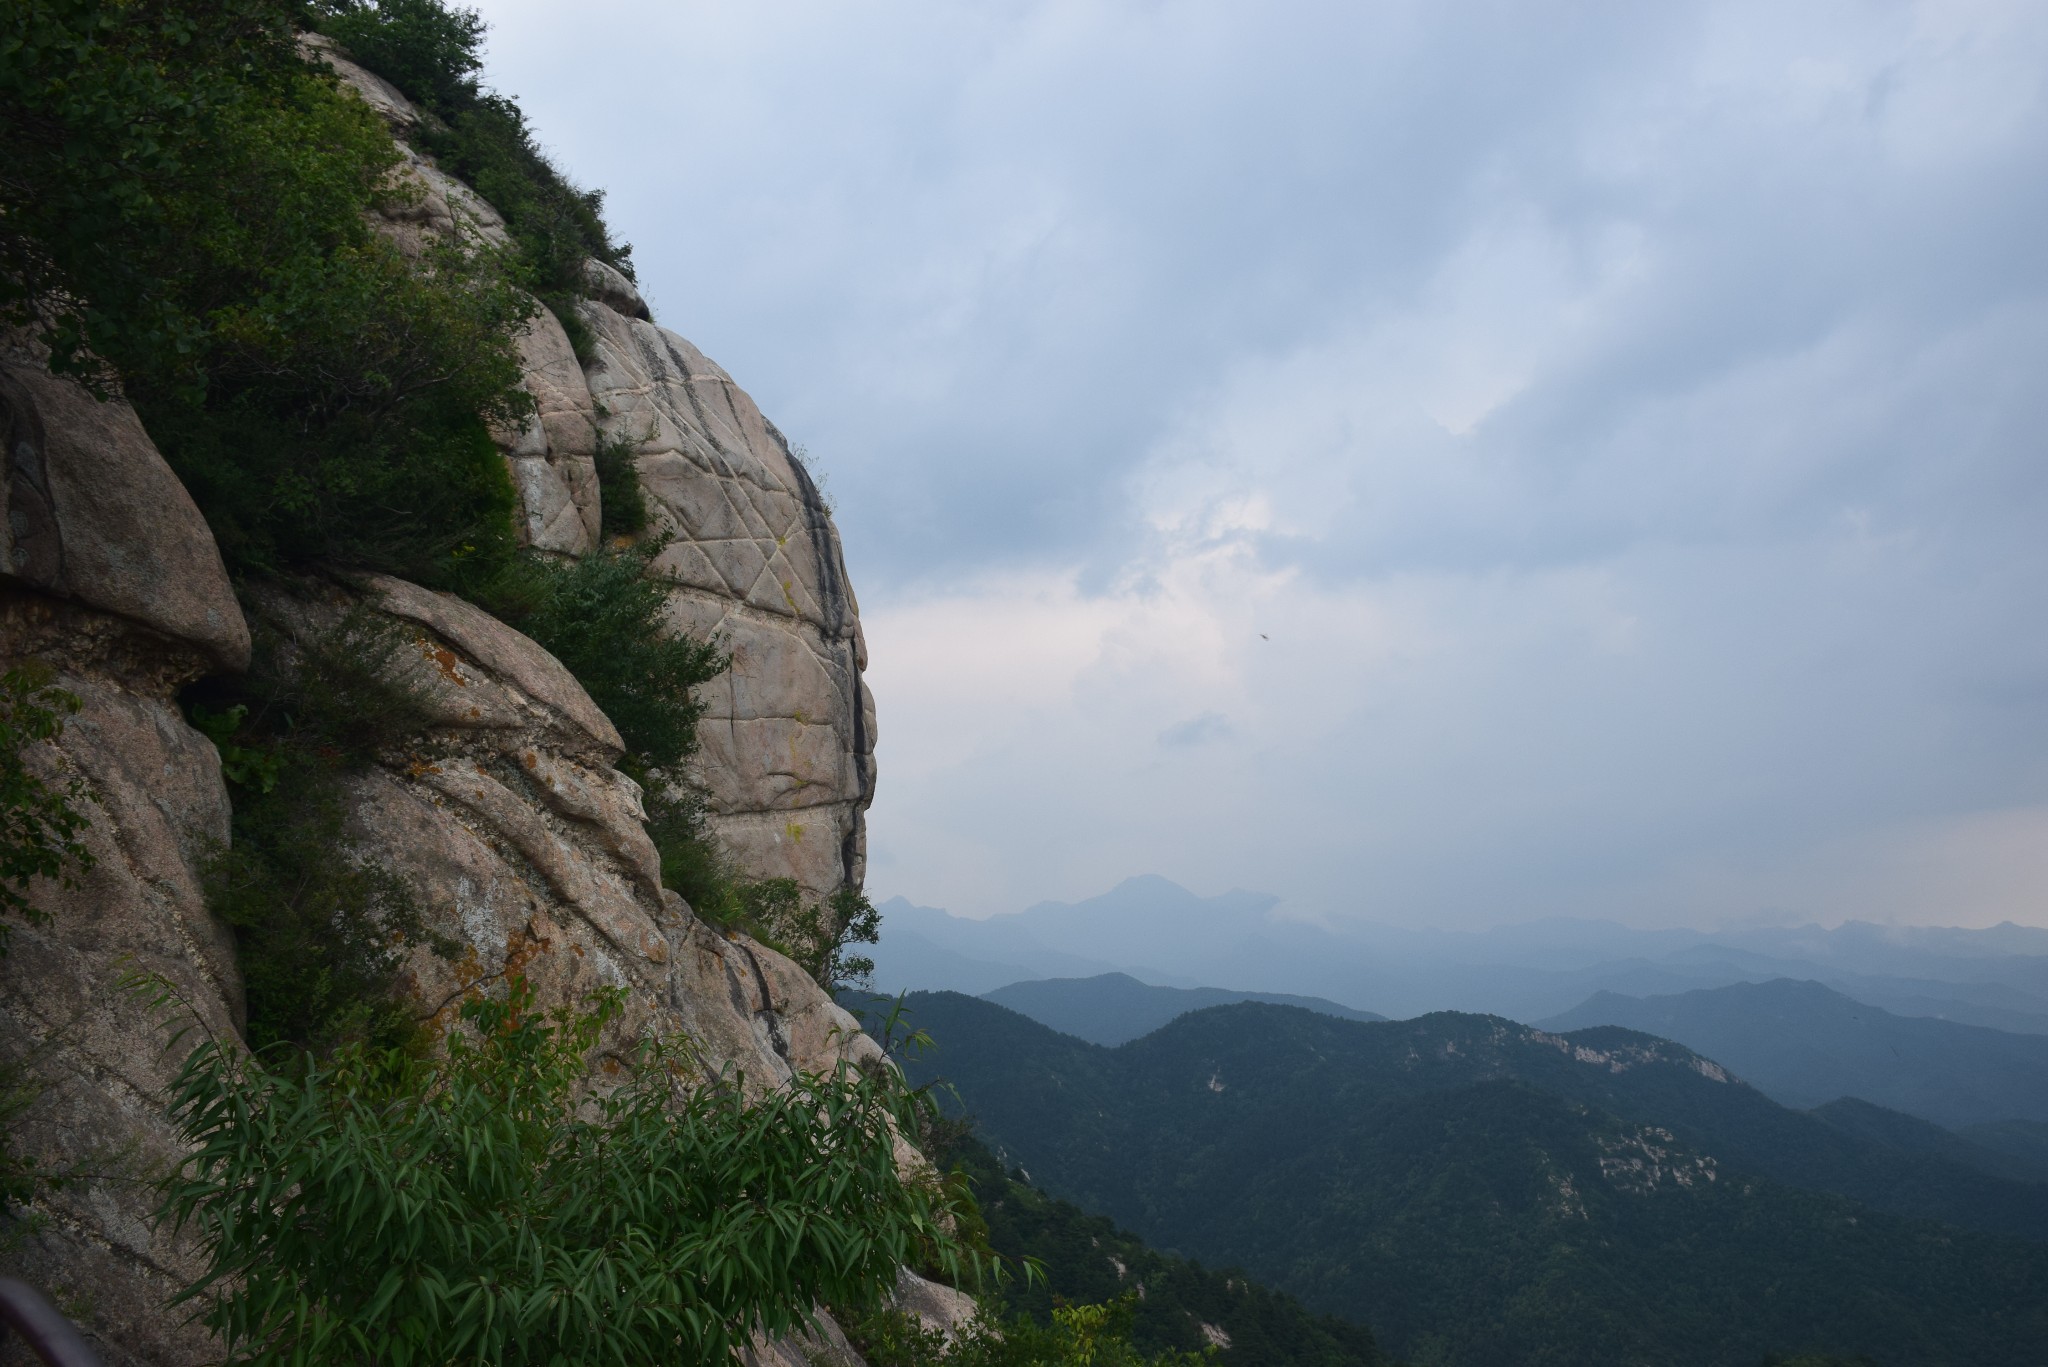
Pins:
<point x="1441" y="462"/>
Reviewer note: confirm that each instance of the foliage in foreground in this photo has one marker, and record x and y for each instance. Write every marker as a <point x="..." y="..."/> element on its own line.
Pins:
<point x="40" y="824"/>
<point x="484" y="1208"/>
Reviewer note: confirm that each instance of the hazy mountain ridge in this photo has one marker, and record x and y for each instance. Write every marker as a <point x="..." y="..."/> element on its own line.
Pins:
<point x="1481" y="1191"/>
<point x="1162" y="934"/>
<point x="1115" y="1008"/>
<point x="1804" y="1045"/>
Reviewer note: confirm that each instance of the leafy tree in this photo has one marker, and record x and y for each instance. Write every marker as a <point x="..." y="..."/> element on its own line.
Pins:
<point x="607" y="622"/>
<point x="433" y="52"/>
<point x="430" y="50"/>
<point x="487" y="1207"/>
<point x="816" y="934"/>
<point x="184" y="212"/>
<point x="40" y="823"/>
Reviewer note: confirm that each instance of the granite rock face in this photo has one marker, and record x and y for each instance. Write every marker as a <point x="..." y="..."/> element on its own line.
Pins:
<point x="111" y="580"/>
<point x="787" y="744"/>
<point x="507" y="816"/>
<point x="526" y="846"/>
<point x="90" y="512"/>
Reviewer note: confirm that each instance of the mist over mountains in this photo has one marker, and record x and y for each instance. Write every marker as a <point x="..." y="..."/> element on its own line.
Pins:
<point x="1115" y="1008"/>
<point x="1161" y="933"/>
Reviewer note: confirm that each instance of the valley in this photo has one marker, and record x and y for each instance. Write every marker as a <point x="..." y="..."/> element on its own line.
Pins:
<point x="1480" y="1191"/>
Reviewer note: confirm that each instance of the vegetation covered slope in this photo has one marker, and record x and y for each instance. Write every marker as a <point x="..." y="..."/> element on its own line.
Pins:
<point x="1177" y="1305"/>
<point x="1481" y="1192"/>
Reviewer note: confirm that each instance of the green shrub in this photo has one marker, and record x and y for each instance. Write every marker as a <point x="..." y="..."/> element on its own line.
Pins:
<point x="607" y="622"/>
<point x="40" y="824"/>
<point x="321" y="929"/>
<point x="183" y="209"/>
<point x="432" y="52"/>
<point x="618" y="488"/>
<point x="112" y="118"/>
<point x="485" y="1208"/>
<point x="816" y="934"/>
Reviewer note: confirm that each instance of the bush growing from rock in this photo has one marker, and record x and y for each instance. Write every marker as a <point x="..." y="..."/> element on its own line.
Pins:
<point x="184" y="212"/>
<point x="40" y="822"/>
<point x="487" y="1207"/>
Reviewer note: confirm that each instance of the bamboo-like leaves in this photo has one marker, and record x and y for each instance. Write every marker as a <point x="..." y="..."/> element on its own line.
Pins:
<point x="488" y="1208"/>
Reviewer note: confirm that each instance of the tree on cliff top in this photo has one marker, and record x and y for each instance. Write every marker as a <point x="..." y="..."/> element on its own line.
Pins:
<point x="184" y="214"/>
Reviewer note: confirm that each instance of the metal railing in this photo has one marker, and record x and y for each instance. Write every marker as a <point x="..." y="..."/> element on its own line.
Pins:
<point x="48" y="1334"/>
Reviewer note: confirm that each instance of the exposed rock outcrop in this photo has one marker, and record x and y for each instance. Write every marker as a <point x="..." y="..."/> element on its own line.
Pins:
<point x="89" y="513"/>
<point x="788" y="740"/>
<point x="113" y="580"/>
<point x="506" y="815"/>
<point x="526" y="847"/>
<point x="788" y="743"/>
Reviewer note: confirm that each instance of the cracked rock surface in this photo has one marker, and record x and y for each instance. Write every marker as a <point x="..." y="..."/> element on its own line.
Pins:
<point x="787" y="754"/>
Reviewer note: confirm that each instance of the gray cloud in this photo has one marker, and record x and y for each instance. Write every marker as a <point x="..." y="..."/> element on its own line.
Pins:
<point x="1202" y="730"/>
<point x="1625" y="420"/>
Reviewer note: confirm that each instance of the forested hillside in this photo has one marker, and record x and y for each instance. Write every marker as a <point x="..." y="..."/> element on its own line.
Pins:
<point x="1482" y="1192"/>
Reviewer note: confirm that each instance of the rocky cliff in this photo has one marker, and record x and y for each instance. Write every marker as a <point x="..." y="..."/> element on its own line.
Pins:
<point x="787" y="757"/>
<point x="504" y="815"/>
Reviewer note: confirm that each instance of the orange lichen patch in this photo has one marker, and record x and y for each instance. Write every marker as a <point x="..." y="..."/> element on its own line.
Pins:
<point x="419" y="768"/>
<point x="522" y="947"/>
<point x="445" y="660"/>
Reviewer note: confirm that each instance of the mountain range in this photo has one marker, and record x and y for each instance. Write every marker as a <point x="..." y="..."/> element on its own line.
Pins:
<point x="1804" y="1044"/>
<point x="1162" y="934"/>
<point x="1481" y="1191"/>
<point x="1112" y="1008"/>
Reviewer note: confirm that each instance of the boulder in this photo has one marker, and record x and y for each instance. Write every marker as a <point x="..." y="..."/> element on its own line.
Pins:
<point x="607" y="285"/>
<point x="526" y="847"/>
<point x="89" y="512"/>
<point x="398" y="113"/>
<point x="933" y="1304"/>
